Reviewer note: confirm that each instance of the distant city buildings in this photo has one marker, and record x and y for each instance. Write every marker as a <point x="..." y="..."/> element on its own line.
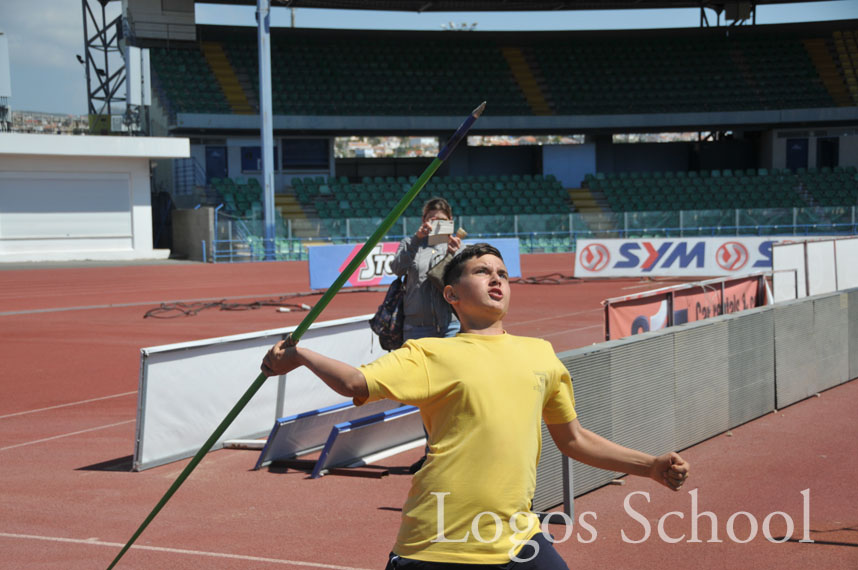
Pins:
<point x="362" y="147"/>
<point x="49" y="123"/>
<point x="524" y="140"/>
<point x="377" y="147"/>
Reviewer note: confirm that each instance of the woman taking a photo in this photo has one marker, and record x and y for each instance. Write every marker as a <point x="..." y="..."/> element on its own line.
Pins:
<point x="427" y="314"/>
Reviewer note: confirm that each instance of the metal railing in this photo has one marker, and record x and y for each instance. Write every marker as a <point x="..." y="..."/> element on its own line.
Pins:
<point x="240" y="239"/>
<point x="188" y="173"/>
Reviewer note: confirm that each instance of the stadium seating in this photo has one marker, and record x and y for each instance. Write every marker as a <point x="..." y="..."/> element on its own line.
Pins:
<point x="727" y="189"/>
<point x="329" y="72"/>
<point x="380" y="75"/>
<point x="185" y="83"/>
<point x="469" y="196"/>
<point x="680" y="74"/>
<point x="239" y="197"/>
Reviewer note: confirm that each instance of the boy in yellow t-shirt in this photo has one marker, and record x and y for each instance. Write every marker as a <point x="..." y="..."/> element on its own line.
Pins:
<point x="481" y="396"/>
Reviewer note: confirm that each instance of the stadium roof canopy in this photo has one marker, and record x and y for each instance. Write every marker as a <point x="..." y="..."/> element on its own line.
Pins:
<point x="495" y="5"/>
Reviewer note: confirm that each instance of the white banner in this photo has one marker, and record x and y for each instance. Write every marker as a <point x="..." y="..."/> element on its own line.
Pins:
<point x="187" y="389"/>
<point x="812" y="266"/>
<point x="673" y="257"/>
<point x="847" y="263"/>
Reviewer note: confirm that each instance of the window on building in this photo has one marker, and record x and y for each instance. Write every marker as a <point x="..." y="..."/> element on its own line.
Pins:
<point x="827" y="152"/>
<point x="306" y="154"/>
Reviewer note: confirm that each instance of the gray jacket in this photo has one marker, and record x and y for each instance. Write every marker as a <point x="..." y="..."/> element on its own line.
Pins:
<point x="424" y="304"/>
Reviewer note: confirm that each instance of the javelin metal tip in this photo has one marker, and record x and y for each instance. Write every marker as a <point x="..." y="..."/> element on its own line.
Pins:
<point x="479" y="110"/>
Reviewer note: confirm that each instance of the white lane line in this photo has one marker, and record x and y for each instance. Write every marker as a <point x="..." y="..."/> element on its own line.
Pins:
<point x="561" y="316"/>
<point x="567" y="331"/>
<point x="159" y="303"/>
<point x="66" y="405"/>
<point x="81" y="308"/>
<point x="178" y="551"/>
<point x="66" y="435"/>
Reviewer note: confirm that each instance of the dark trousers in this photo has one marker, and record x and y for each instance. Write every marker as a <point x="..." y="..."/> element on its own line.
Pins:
<point x="546" y="559"/>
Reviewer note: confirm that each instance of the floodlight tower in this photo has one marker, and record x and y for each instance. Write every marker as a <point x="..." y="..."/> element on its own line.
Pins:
<point x="105" y="66"/>
<point x="5" y="86"/>
<point x="739" y="13"/>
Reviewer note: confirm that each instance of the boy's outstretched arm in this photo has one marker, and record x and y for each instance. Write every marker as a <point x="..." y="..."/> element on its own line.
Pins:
<point x="587" y="447"/>
<point x="342" y="378"/>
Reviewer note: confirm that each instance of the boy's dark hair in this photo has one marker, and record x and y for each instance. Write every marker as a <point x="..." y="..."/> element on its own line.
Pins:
<point x="454" y="269"/>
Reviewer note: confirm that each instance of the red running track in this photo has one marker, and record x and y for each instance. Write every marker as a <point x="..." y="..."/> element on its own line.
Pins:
<point x="70" y="341"/>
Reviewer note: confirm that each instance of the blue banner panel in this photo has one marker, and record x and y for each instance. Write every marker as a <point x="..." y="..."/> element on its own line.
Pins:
<point x="352" y="442"/>
<point x="327" y="261"/>
<point x="301" y="433"/>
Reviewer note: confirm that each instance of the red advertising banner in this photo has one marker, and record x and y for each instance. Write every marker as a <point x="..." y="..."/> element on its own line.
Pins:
<point x="742" y="294"/>
<point x="637" y="315"/>
<point x="697" y="303"/>
<point x="682" y="304"/>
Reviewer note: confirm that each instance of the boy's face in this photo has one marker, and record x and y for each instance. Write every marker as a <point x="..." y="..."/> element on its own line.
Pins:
<point x="482" y="290"/>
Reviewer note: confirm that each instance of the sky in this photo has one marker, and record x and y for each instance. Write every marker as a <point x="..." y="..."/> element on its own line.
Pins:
<point x="44" y="37"/>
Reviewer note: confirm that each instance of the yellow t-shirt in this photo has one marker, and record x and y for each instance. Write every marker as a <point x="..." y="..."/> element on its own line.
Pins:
<point x="481" y="398"/>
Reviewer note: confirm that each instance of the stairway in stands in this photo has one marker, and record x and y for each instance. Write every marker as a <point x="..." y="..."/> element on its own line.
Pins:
<point x="846" y="47"/>
<point x="288" y="206"/>
<point x="527" y="81"/>
<point x="587" y="202"/>
<point x="592" y="203"/>
<point x="226" y="77"/>
<point x="828" y="70"/>
<point x="304" y="221"/>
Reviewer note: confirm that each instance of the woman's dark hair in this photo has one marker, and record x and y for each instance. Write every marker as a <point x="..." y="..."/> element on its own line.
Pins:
<point x="454" y="269"/>
<point x="438" y="204"/>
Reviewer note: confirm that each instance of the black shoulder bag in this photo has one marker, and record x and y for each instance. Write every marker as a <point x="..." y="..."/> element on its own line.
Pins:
<point x="388" y="320"/>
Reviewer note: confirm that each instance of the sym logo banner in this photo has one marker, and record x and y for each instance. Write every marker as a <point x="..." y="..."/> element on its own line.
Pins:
<point x="673" y="257"/>
<point x="594" y="257"/>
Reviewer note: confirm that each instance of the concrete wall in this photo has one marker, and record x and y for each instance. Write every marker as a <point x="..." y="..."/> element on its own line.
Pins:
<point x="190" y="229"/>
<point x="569" y="163"/>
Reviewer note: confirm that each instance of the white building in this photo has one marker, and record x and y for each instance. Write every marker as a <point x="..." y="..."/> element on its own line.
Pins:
<point x="66" y="198"/>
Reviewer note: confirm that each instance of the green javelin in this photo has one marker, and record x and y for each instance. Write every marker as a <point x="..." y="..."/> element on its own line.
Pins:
<point x="311" y="316"/>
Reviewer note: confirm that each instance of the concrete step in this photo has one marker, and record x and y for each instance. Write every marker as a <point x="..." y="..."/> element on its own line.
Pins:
<point x="304" y="228"/>
<point x="585" y="202"/>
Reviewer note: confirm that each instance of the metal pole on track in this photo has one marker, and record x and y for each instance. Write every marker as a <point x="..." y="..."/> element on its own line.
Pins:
<point x="373" y="240"/>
